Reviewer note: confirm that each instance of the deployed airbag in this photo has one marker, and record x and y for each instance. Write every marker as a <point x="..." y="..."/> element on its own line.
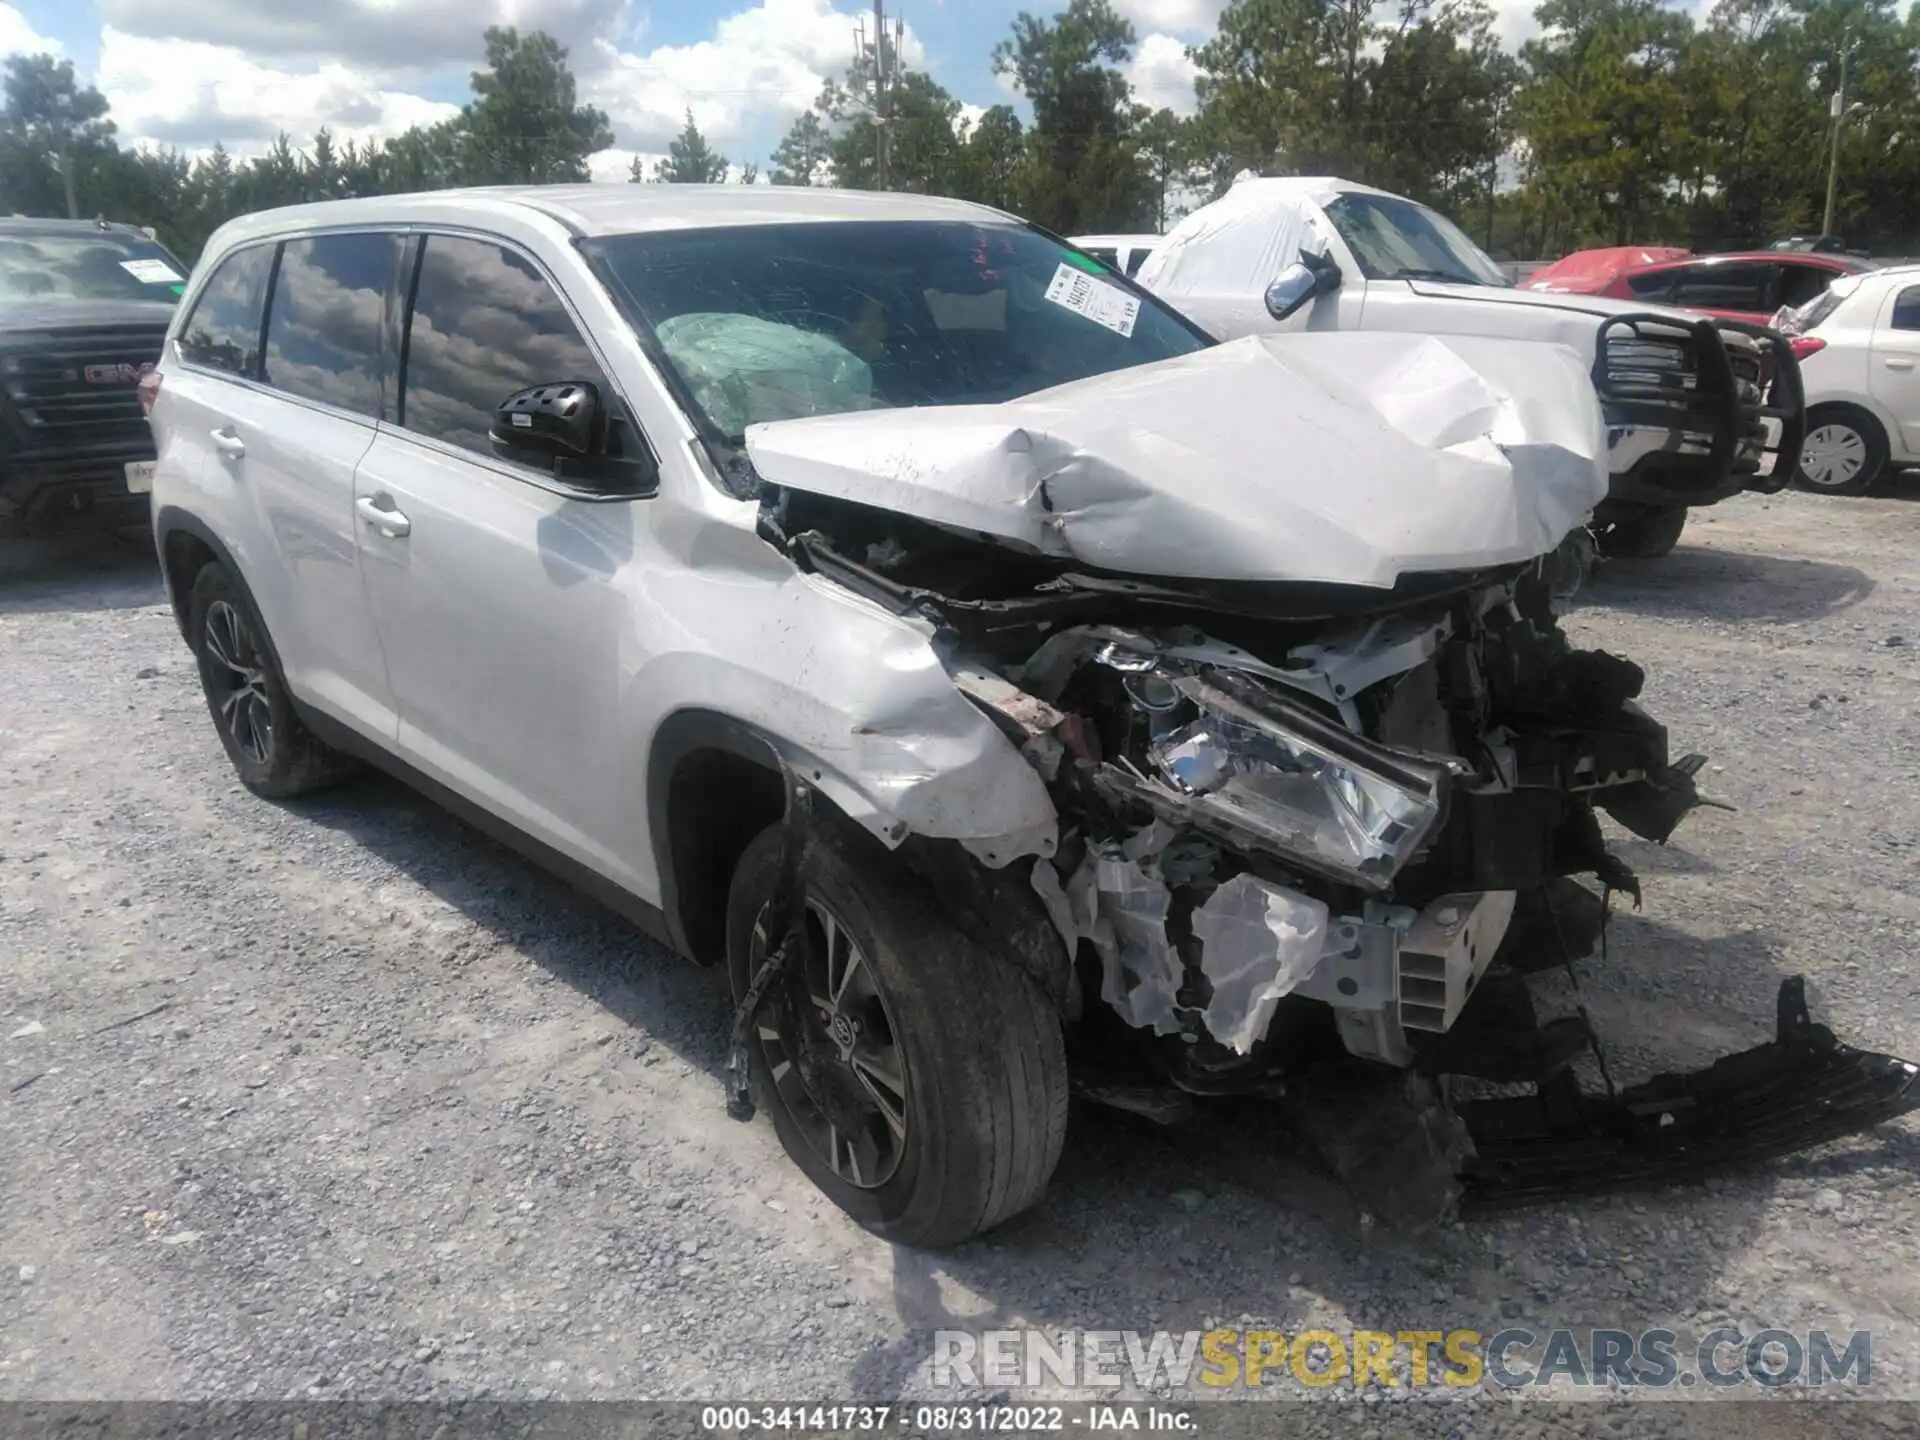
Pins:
<point x="744" y="370"/>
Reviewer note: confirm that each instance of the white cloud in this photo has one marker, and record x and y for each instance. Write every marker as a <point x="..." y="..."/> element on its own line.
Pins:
<point x="762" y="67"/>
<point x="184" y="93"/>
<point x="1162" y="75"/>
<point x="968" y="117"/>
<point x="18" y="37"/>
<point x="1513" y="21"/>
<point x="1191" y="18"/>
<point x="382" y="36"/>
<point x="193" y="72"/>
<point x="615" y="167"/>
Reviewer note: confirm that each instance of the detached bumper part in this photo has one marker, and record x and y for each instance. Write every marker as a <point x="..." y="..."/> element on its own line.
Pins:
<point x="1800" y="1089"/>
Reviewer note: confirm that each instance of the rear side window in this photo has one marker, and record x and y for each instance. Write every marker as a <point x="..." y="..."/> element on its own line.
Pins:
<point x="485" y="325"/>
<point x="223" y="332"/>
<point x="324" y="322"/>
<point x="1906" y="310"/>
<point x="1651" y="287"/>
<point x="1723" y="287"/>
<point x="1801" y="283"/>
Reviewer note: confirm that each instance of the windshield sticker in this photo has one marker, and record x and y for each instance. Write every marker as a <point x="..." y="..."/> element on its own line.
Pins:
<point x="1095" y="300"/>
<point x="151" y="272"/>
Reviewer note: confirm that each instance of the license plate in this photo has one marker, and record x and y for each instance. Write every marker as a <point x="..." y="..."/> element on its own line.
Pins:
<point x="140" y="477"/>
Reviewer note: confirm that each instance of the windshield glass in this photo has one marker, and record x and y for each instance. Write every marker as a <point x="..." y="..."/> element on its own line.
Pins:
<point x="1395" y="239"/>
<point x="776" y="322"/>
<point x="82" y="265"/>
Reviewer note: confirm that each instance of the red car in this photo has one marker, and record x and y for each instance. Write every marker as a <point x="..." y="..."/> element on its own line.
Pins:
<point x="1749" y="286"/>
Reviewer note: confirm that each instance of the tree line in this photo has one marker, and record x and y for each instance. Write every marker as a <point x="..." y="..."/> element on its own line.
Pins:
<point x="1624" y="122"/>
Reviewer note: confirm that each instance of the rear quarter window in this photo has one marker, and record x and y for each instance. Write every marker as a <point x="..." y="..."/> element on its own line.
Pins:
<point x="223" y="330"/>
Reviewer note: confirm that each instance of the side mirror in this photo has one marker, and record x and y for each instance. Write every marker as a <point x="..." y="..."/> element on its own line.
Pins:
<point x="549" y="421"/>
<point x="567" y="428"/>
<point x="1307" y="278"/>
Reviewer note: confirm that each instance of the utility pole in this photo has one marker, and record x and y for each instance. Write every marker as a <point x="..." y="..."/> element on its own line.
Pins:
<point x="1839" y="113"/>
<point x="883" y="56"/>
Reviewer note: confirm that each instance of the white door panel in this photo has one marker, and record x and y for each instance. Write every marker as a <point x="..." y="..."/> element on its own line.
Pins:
<point x="293" y="468"/>
<point x="507" y="636"/>
<point x="1894" y="366"/>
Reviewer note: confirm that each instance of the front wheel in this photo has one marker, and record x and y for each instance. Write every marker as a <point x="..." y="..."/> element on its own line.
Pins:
<point x="919" y="1082"/>
<point x="1844" y="452"/>
<point x="1646" y="536"/>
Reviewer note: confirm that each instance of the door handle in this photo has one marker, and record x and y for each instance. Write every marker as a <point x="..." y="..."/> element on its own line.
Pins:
<point x="1899" y="364"/>
<point x="384" y="518"/>
<point x="228" y="443"/>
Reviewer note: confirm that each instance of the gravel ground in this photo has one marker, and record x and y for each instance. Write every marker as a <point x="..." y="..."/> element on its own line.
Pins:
<point x="339" y="1099"/>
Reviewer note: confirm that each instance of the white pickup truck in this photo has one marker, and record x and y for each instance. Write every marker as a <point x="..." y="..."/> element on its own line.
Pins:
<point x="1695" y="408"/>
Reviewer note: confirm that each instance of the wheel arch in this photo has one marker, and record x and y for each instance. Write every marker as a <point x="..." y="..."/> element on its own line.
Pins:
<point x="715" y="781"/>
<point x="185" y="544"/>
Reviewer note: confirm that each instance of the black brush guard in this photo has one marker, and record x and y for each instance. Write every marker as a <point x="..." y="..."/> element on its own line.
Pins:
<point x="1715" y="403"/>
<point x="1783" y="399"/>
<point x="1800" y="1089"/>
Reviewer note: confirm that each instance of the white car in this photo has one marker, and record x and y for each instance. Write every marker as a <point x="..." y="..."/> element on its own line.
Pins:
<point x="872" y="596"/>
<point x="1688" y="422"/>
<point x="1125" y="253"/>
<point x="1859" y="349"/>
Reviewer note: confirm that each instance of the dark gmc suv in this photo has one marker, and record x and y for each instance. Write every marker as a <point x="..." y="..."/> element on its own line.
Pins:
<point x="84" y="306"/>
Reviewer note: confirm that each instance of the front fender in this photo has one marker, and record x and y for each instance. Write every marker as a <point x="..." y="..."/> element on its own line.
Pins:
<point x="941" y="770"/>
<point x="856" y="702"/>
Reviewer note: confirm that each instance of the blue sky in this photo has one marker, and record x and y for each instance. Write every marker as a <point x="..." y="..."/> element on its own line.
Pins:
<point x="189" y="73"/>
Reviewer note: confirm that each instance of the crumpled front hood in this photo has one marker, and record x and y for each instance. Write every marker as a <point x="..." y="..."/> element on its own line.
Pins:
<point x="1336" y="458"/>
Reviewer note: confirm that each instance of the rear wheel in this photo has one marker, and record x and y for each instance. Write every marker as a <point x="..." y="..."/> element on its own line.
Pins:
<point x="1844" y="453"/>
<point x="919" y="1082"/>
<point x="273" y="753"/>
<point x="1646" y="536"/>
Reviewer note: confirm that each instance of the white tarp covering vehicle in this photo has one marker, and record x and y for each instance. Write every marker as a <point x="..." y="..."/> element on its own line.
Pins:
<point x="1692" y="405"/>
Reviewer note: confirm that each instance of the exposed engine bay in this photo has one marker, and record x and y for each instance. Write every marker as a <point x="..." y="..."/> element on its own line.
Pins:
<point x="1315" y="828"/>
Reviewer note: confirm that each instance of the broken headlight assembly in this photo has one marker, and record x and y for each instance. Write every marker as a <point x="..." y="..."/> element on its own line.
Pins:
<point x="1236" y="758"/>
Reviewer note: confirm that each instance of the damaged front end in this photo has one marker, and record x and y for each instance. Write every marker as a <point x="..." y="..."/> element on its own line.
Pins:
<point x="1327" y="774"/>
<point x="1338" y="843"/>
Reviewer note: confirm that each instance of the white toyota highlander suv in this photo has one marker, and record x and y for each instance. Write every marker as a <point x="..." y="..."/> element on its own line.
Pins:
<point x="884" y="600"/>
